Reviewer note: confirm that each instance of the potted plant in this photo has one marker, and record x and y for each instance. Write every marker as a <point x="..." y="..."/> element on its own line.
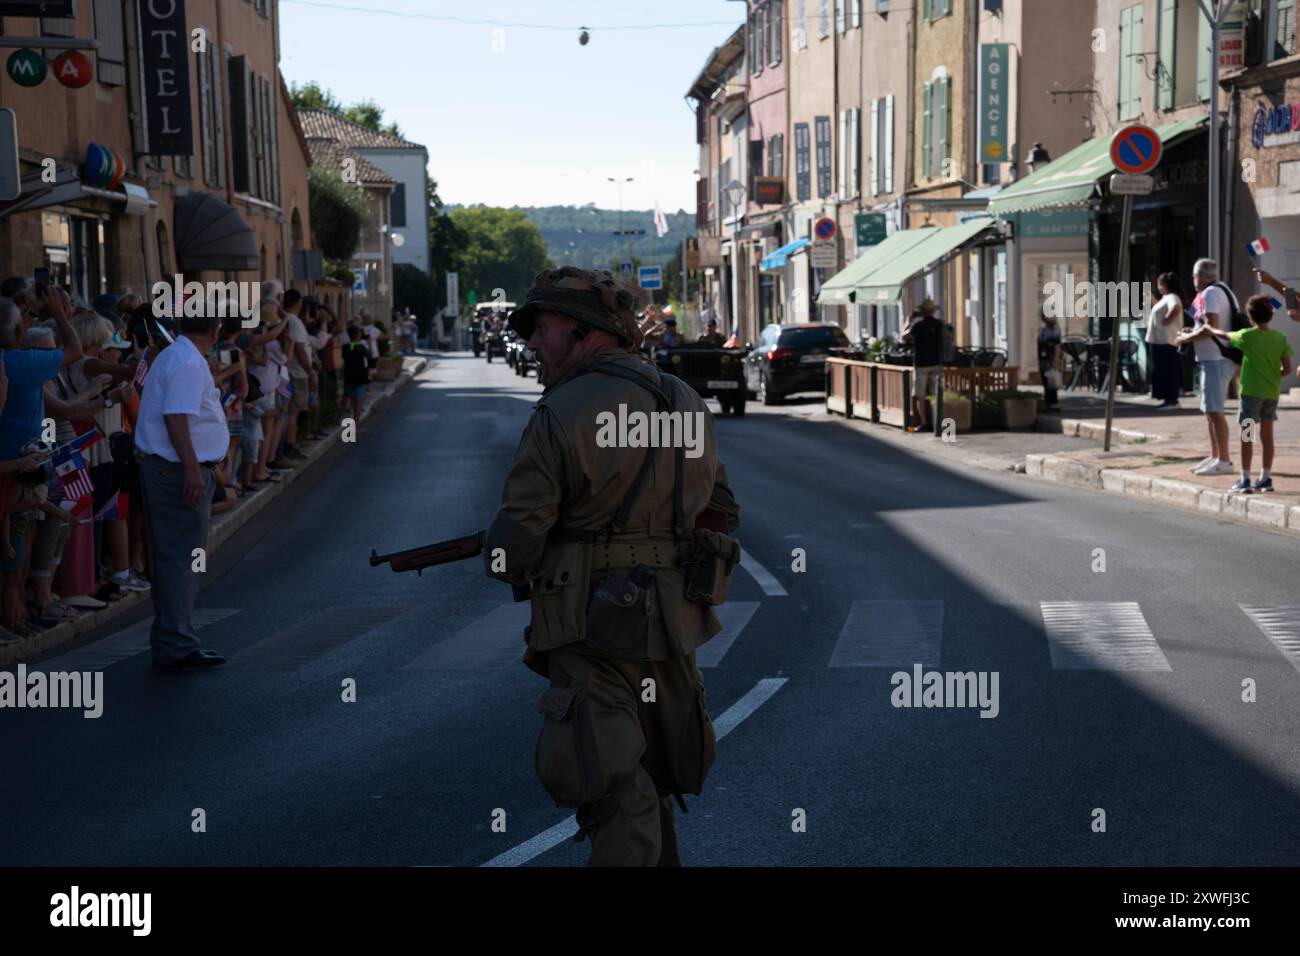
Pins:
<point x="1018" y="409"/>
<point x="955" y="406"/>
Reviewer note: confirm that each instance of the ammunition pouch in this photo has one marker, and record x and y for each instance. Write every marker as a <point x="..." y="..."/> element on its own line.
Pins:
<point x="559" y="595"/>
<point x="619" y="613"/>
<point x="708" y="564"/>
<point x="566" y="758"/>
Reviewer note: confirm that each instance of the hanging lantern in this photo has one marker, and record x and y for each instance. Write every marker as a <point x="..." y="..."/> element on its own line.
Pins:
<point x="73" y="69"/>
<point x="583" y="37"/>
<point x="26" y="67"/>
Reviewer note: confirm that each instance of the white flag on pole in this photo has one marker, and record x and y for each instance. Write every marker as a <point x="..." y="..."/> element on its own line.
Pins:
<point x="661" y="224"/>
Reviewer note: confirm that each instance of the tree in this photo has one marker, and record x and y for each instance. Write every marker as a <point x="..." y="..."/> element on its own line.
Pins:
<point x="501" y="250"/>
<point x="414" y="290"/>
<point x="370" y="114"/>
<point x="337" y="209"/>
<point x="311" y="96"/>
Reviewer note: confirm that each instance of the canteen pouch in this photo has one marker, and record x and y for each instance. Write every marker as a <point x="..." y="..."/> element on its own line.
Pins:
<point x="565" y="757"/>
<point x="559" y="594"/>
<point x="619" y="613"/>
<point x="708" y="565"/>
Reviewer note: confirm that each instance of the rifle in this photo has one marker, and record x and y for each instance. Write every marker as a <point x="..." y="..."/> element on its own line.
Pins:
<point x="441" y="552"/>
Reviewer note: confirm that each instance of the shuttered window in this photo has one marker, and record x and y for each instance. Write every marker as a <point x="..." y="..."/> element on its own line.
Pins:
<point x="701" y="204"/>
<point x="775" y="26"/>
<point x="800" y="35"/>
<point x="823" y="18"/>
<point x="841" y="15"/>
<point x="110" y="32"/>
<point x="1284" y="30"/>
<point x="207" y="141"/>
<point x="216" y="84"/>
<point x="824" y="157"/>
<point x="273" y="93"/>
<point x="775" y="155"/>
<point x="1168" y="53"/>
<point x="1203" y="43"/>
<point x="874" y="156"/>
<point x="802" y="163"/>
<point x="888" y="148"/>
<point x="855" y="13"/>
<point x="943" y="88"/>
<point x="927" y="145"/>
<point x="397" y="207"/>
<point x="1130" y="45"/>
<point x="242" y="160"/>
<point x="842" y="168"/>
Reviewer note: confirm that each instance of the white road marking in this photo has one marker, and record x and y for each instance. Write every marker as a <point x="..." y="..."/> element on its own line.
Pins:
<point x="890" y="634"/>
<point x="723" y="725"/>
<point x="1101" y="635"/>
<point x="1281" y="625"/>
<point x="128" y="642"/>
<point x="770" y="585"/>
<point x="734" y="616"/>
<point x="494" y="640"/>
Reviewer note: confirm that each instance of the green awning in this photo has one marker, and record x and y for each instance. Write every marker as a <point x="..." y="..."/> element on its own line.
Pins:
<point x="836" y="289"/>
<point x="1072" y="179"/>
<point x="886" y="283"/>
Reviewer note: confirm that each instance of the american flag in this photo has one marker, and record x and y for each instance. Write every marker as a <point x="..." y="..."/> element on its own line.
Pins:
<point x="73" y="475"/>
<point x="141" y="369"/>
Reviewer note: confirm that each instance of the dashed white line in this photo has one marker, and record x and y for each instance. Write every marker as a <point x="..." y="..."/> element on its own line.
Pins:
<point x="725" y="724"/>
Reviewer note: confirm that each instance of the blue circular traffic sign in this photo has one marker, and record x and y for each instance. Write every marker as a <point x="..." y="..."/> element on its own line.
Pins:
<point x="824" y="228"/>
<point x="1135" y="149"/>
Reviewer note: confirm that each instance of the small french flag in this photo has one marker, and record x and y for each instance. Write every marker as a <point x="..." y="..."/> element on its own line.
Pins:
<point x="1257" y="248"/>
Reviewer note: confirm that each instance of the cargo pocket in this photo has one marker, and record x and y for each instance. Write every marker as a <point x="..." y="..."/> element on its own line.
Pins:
<point x="565" y="757"/>
<point x="699" y="746"/>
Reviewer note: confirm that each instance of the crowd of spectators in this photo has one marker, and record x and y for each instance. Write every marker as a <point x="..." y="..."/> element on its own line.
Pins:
<point x="72" y="510"/>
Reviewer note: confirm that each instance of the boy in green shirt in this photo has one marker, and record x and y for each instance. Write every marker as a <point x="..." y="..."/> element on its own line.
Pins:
<point x="1266" y="358"/>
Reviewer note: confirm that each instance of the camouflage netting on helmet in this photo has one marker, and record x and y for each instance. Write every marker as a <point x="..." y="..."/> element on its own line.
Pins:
<point x="595" y="299"/>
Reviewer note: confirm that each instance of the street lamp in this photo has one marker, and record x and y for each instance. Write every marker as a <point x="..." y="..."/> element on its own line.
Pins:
<point x="735" y="195"/>
<point x="620" y="211"/>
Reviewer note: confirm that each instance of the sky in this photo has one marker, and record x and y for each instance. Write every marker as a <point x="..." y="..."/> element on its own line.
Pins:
<point x="524" y="115"/>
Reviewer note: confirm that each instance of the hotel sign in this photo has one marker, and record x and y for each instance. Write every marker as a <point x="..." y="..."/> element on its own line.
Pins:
<point x="164" y="43"/>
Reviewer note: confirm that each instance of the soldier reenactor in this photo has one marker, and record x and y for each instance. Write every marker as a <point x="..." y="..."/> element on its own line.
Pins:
<point x="625" y="552"/>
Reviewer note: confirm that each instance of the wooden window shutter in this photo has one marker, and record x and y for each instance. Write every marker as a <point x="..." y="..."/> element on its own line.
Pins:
<point x="927" y="148"/>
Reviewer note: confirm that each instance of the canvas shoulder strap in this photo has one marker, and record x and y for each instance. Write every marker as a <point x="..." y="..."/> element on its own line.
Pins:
<point x="619" y="520"/>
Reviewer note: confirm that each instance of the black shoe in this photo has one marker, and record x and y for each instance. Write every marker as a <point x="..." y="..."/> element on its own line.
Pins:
<point x="195" y="661"/>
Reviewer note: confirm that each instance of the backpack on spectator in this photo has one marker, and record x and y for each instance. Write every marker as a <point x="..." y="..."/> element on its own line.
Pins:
<point x="1239" y="321"/>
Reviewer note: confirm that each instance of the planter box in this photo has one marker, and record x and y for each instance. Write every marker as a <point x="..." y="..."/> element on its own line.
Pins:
<point x="1019" y="412"/>
<point x="387" y="369"/>
<point x="958" y="409"/>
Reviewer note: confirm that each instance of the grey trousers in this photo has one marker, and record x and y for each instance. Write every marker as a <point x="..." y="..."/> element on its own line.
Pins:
<point x="175" y="530"/>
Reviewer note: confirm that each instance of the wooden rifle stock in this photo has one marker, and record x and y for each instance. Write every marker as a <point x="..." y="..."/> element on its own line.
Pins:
<point x="441" y="552"/>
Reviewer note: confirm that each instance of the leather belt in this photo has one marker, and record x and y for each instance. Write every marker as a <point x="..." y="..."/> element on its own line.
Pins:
<point x="628" y="554"/>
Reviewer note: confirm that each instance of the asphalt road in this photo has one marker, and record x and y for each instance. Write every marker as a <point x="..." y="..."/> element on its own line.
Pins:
<point x="1119" y="691"/>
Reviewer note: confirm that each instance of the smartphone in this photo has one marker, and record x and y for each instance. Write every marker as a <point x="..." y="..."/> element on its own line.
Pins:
<point x="1292" y="301"/>
<point x="42" y="276"/>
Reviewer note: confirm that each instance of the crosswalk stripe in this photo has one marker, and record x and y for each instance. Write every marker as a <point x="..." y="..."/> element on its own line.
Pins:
<point x="313" y="637"/>
<point x="129" y="641"/>
<point x="734" y="616"/>
<point x="494" y="640"/>
<point x="890" y="634"/>
<point x="770" y="585"/>
<point x="1101" y="635"/>
<point x="724" y="724"/>
<point x="1281" y="625"/>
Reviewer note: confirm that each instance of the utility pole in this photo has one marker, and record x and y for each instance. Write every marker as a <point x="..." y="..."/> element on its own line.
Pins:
<point x="1215" y="11"/>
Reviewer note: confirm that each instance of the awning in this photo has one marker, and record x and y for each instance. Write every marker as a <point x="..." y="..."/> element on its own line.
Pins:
<point x="1072" y="179"/>
<point x="836" y="289"/>
<point x="210" y="234"/>
<point x="68" y="189"/>
<point x="777" y="259"/>
<point x="886" y="284"/>
<point x="760" y="228"/>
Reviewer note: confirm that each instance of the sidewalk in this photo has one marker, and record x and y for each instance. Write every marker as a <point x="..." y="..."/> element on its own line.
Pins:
<point x="1152" y="451"/>
<point x="223" y="526"/>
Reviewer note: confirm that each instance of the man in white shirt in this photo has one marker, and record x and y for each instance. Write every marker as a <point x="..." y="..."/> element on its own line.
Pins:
<point x="180" y="435"/>
<point x="301" y="372"/>
<point x="1211" y="309"/>
<point x="373" y="334"/>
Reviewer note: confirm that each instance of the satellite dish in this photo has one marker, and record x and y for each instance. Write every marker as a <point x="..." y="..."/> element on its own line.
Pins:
<point x="399" y="239"/>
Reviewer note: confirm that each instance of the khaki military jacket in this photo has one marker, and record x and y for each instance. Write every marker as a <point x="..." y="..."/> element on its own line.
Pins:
<point x="564" y="479"/>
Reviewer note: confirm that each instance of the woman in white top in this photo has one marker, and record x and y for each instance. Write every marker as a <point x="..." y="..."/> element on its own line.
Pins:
<point x="1164" y="322"/>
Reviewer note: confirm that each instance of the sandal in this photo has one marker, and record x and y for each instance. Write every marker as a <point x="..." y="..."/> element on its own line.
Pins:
<point x="57" y="610"/>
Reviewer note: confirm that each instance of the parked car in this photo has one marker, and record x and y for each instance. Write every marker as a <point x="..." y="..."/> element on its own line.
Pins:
<point x="791" y="358"/>
<point x="713" y="372"/>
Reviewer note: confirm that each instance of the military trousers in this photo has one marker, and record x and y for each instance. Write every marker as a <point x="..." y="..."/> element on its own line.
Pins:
<point x="620" y="740"/>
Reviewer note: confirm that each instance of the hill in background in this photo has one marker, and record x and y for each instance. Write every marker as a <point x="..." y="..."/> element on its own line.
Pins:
<point x="584" y="235"/>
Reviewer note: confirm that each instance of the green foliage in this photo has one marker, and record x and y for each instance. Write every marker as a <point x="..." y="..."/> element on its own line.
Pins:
<point x="312" y="96"/>
<point x="996" y="397"/>
<point x="414" y="290"/>
<point x="499" y="248"/>
<point x="340" y="271"/>
<point x="876" y="350"/>
<point x="337" y="212"/>
<point x="584" y="235"/>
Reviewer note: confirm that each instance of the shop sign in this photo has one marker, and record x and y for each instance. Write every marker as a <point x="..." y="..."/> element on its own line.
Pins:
<point x="169" y="129"/>
<point x="1275" y="126"/>
<point x="1054" y="224"/>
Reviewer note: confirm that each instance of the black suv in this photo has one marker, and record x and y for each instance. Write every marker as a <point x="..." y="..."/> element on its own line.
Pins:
<point x="791" y="358"/>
